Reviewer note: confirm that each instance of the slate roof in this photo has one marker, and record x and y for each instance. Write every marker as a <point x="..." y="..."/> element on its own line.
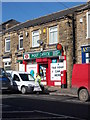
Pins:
<point x="46" y="19"/>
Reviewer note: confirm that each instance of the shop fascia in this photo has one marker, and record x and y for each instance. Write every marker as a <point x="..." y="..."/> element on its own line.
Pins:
<point x="43" y="54"/>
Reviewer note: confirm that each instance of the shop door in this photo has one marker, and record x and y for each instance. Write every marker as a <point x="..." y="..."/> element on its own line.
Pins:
<point x="43" y="70"/>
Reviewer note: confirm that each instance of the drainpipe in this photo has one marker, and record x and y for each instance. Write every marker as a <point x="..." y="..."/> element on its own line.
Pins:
<point x="73" y="29"/>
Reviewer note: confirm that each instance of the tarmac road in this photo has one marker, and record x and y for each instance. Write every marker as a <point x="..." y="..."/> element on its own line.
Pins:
<point x="42" y="106"/>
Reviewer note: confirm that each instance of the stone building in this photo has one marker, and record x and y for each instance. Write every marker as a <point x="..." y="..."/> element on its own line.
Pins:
<point x="31" y="46"/>
<point x="4" y="26"/>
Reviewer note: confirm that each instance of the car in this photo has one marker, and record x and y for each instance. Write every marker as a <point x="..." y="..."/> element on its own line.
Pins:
<point x="5" y="83"/>
<point x="23" y="82"/>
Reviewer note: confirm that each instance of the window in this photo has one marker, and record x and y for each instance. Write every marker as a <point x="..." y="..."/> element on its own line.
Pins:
<point x="35" y="38"/>
<point x="20" y="42"/>
<point x="88" y="24"/>
<point x="88" y="57"/>
<point x="7" y="44"/>
<point x="26" y="77"/>
<point x="16" y="78"/>
<point x="7" y="65"/>
<point x="53" y="35"/>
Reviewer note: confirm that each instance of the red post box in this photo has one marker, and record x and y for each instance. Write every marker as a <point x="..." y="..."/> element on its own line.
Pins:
<point x="63" y="79"/>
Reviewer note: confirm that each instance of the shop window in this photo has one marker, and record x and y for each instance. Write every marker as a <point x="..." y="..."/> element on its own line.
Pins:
<point x="35" y="38"/>
<point x="88" y="24"/>
<point x="53" y="35"/>
<point x="20" y="42"/>
<point x="87" y="57"/>
<point x="85" y="54"/>
<point x="7" y="44"/>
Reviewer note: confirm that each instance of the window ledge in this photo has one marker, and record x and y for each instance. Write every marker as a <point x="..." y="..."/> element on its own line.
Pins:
<point x="34" y="47"/>
<point x="52" y="44"/>
<point x="87" y="37"/>
<point x="6" y="52"/>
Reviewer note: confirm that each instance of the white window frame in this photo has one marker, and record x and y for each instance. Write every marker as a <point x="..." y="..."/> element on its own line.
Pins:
<point x="20" y="38"/>
<point x="33" y="35"/>
<point x="6" y="41"/>
<point x="88" y="13"/>
<point x="50" y="31"/>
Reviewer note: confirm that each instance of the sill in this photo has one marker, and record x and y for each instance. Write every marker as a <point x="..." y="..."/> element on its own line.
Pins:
<point x="20" y="49"/>
<point x="87" y="37"/>
<point x="34" y="47"/>
<point x="7" y="52"/>
<point x="52" y="44"/>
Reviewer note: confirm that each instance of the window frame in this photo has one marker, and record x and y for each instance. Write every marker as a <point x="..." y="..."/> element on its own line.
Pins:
<point x="87" y="14"/>
<point x="6" y="41"/>
<point x="20" y="38"/>
<point x="37" y="45"/>
<point x="55" y="26"/>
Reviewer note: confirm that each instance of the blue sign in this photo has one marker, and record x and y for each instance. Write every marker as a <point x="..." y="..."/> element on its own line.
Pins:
<point x="54" y="61"/>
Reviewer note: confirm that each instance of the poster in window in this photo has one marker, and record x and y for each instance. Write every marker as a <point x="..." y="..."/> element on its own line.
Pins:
<point x="56" y="69"/>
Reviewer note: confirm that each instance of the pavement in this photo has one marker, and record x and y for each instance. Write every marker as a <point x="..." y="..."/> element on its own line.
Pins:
<point x="53" y="90"/>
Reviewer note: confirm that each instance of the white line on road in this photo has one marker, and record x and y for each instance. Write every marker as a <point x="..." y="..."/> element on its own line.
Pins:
<point x="38" y="111"/>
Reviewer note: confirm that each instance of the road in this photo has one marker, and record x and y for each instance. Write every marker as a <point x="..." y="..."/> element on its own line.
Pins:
<point x="42" y="106"/>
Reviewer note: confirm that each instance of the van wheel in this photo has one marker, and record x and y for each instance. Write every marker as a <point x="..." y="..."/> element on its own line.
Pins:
<point x="23" y="90"/>
<point x="83" y="95"/>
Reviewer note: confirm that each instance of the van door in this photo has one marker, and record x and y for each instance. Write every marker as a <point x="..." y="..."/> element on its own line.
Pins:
<point x="16" y="82"/>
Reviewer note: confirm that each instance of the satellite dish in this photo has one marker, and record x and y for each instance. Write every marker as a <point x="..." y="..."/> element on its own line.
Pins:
<point x="40" y="42"/>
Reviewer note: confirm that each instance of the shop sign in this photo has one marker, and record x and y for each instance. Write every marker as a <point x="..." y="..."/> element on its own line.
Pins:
<point x="42" y="54"/>
<point x="26" y="56"/>
<point x="56" y="69"/>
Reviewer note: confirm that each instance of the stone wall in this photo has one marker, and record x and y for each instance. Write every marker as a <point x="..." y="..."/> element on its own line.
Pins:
<point x="81" y="34"/>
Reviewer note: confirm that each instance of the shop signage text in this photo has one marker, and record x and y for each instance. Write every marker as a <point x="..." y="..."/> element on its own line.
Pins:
<point x="42" y="54"/>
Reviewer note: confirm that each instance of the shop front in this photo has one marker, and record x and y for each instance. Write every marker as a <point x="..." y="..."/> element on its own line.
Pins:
<point x="49" y="64"/>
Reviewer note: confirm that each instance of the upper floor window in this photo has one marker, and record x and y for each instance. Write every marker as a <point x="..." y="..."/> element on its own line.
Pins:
<point x="20" y="42"/>
<point x="7" y="44"/>
<point x="88" y="24"/>
<point x="35" y="38"/>
<point x="53" y="35"/>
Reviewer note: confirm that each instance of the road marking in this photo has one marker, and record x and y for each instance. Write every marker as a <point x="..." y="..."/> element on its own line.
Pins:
<point x="38" y="111"/>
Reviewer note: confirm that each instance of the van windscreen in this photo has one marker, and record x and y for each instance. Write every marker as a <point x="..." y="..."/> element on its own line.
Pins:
<point x="26" y="77"/>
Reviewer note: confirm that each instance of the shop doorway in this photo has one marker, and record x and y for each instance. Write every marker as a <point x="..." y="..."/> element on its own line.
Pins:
<point x="43" y="71"/>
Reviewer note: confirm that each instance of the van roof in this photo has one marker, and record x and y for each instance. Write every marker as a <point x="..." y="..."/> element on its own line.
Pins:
<point x="17" y="72"/>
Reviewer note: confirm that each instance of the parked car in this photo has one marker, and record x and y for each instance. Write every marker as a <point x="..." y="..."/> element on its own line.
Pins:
<point x="24" y="82"/>
<point x="5" y="83"/>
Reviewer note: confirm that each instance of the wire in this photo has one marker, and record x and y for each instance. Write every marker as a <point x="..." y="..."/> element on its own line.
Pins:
<point x="62" y="4"/>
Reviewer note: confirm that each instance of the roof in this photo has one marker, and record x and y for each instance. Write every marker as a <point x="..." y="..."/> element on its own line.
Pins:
<point x="11" y="21"/>
<point x="45" y="19"/>
<point x="8" y="21"/>
<point x="87" y="6"/>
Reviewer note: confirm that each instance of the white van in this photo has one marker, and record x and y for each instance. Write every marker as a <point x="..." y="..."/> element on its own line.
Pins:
<point x="23" y="81"/>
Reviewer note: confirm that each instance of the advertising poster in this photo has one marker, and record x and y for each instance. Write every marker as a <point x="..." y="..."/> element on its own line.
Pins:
<point x="56" y="69"/>
<point x="32" y="69"/>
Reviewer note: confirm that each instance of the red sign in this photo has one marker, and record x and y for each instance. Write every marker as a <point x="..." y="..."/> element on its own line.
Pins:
<point x="59" y="46"/>
<point x="26" y="56"/>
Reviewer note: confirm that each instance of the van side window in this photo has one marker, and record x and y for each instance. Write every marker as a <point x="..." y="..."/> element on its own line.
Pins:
<point x="16" y="78"/>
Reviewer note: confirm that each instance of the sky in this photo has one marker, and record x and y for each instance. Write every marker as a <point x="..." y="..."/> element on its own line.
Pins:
<point x="23" y="11"/>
